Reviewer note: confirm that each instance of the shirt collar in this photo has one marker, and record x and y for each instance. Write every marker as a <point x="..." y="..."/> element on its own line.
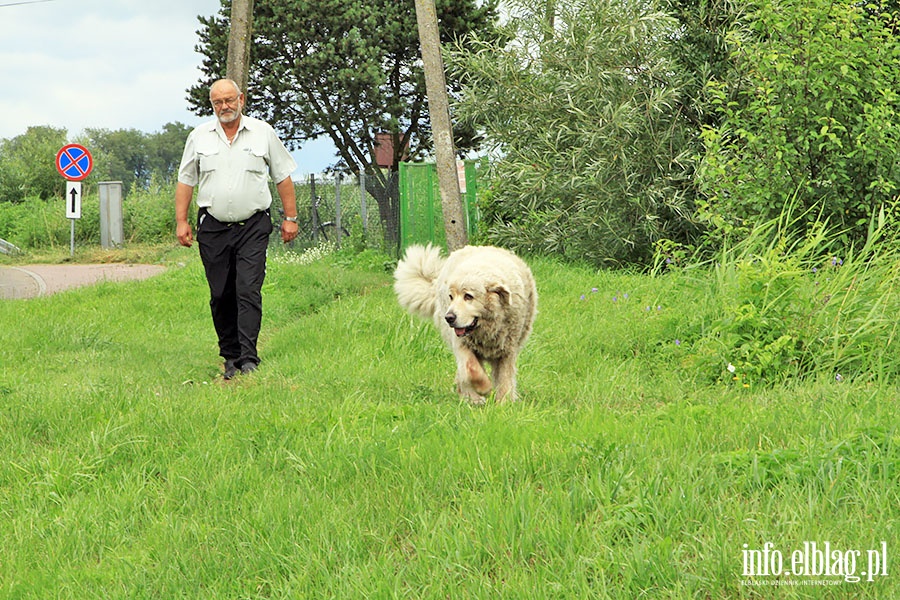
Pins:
<point x="216" y="127"/>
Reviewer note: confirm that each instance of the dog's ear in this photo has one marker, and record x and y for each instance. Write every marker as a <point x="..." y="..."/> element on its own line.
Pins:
<point x="501" y="290"/>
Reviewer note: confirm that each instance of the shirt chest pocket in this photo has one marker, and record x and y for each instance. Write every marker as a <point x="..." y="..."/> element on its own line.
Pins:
<point x="256" y="161"/>
<point x="209" y="158"/>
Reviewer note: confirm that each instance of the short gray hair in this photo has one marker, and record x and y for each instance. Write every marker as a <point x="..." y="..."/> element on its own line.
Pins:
<point x="237" y="88"/>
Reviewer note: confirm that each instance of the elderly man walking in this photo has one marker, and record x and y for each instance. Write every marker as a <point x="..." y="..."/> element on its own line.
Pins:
<point x="231" y="159"/>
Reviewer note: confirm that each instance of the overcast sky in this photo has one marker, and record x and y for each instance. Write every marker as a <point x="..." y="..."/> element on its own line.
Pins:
<point x="110" y="64"/>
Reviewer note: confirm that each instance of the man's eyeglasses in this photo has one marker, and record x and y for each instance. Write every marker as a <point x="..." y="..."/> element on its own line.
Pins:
<point x="229" y="101"/>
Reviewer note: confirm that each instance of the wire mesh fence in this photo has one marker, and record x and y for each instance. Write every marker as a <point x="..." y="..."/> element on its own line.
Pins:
<point x="360" y="211"/>
<point x="385" y="210"/>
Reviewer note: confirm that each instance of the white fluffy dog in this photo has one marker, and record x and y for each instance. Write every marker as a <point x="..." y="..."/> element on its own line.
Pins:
<point x="483" y="300"/>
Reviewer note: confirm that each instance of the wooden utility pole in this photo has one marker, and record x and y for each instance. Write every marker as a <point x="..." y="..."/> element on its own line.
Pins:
<point x="237" y="65"/>
<point x="441" y="128"/>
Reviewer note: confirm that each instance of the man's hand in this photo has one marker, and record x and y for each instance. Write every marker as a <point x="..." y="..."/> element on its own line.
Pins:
<point x="289" y="231"/>
<point x="183" y="195"/>
<point x="286" y="192"/>
<point x="185" y="234"/>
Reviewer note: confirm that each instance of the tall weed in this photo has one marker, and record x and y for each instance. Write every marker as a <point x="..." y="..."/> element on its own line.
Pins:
<point x="34" y="223"/>
<point x="783" y="305"/>
<point x="148" y="217"/>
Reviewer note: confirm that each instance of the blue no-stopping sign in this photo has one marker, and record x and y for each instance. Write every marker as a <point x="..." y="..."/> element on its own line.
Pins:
<point x="74" y="162"/>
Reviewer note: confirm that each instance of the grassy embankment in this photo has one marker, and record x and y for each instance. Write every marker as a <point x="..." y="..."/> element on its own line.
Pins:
<point x="347" y="468"/>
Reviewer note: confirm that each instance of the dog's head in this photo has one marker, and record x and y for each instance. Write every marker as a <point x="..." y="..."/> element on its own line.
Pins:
<point x="472" y="303"/>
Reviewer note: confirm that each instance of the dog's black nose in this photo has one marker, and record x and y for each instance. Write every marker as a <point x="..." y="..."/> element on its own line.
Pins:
<point x="450" y="318"/>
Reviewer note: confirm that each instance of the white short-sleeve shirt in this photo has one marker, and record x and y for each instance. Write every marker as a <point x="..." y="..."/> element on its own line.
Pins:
<point x="233" y="178"/>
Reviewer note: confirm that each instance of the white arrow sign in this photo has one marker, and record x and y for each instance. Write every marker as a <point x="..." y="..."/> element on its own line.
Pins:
<point x="73" y="199"/>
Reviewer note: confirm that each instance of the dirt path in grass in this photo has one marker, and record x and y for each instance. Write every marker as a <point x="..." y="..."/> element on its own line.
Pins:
<point x="31" y="281"/>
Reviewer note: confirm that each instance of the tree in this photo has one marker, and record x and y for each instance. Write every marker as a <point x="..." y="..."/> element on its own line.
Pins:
<point x="701" y="50"/>
<point x="119" y="155"/>
<point x="164" y="150"/>
<point x="583" y="111"/>
<point x="134" y="157"/>
<point x="348" y="69"/>
<point x="28" y="161"/>
<point x="813" y="119"/>
<point x="28" y="164"/>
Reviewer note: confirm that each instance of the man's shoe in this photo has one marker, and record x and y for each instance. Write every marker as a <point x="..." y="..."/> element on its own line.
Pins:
<point x="231" y="369"/>
<point x="248" y="367"/>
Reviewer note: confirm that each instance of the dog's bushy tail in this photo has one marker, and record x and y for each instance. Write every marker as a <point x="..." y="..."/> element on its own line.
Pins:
<point x="414" y="279"/>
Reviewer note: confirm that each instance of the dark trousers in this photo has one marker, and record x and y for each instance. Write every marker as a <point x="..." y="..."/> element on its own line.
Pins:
<point x="234" y="257"/>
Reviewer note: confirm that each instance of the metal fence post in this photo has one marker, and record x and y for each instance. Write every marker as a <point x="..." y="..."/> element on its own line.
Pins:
<point x="362" y="202"/>
<point x="314" y="208"/>
<point x="337" y="207"/>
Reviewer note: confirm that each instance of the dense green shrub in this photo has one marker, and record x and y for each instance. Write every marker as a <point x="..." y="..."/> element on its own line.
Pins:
<point x="812" y="113"/>
<point x="148" y="217"/>
<point x="35" y="223"/>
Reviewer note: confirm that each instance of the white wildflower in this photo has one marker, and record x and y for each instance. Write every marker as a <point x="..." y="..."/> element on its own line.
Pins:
<point x="307" y="257"/>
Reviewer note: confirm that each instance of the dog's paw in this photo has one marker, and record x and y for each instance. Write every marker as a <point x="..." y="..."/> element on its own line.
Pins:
<point x="477" y="378"/>
<point x="504" y="398"/>
<point x="468" y="394"/>
<point x="477" y="400"/>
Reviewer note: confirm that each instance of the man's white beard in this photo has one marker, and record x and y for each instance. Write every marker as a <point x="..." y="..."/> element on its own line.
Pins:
<point x="235" y="115"/>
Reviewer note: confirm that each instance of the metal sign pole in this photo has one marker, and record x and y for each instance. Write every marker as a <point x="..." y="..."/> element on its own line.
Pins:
<point x="74" y="162"/>
<point x="73" y="207"/>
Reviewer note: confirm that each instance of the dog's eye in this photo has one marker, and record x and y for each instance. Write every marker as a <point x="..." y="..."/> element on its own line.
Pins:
<point x="451" y="297"/>
<point x="468" y="297"/>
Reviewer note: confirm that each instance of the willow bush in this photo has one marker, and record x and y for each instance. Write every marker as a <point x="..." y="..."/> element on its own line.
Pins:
<point x="590" y="158"/>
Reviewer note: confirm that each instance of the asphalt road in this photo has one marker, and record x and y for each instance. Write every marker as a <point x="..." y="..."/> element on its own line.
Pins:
<point x="31" y="281"/>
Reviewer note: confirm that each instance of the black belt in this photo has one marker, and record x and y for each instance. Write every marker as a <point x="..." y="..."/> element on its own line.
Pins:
<point x="204" y="213"/>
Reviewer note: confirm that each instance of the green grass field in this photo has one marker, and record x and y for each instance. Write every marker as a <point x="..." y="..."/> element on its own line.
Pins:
<point x="346" y="467"/>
